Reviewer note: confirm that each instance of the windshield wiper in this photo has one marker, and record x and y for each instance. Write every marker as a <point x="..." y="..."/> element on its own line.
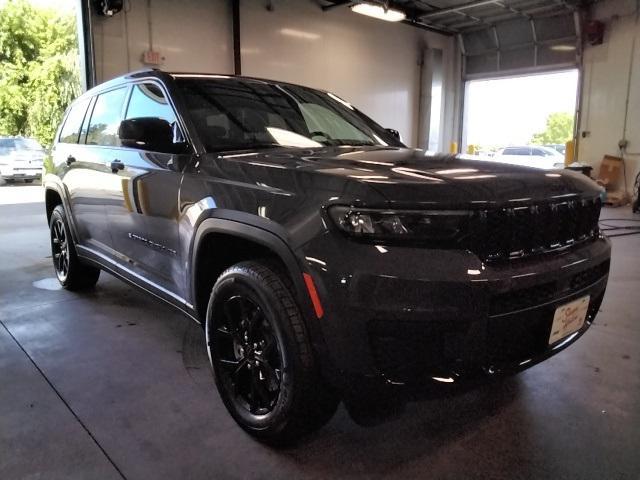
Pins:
<point x="352" y="143"/>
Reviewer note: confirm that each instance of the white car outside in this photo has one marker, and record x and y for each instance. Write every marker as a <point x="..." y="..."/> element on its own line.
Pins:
<point x="531" y="156"/>
<point x="20" y="159"/>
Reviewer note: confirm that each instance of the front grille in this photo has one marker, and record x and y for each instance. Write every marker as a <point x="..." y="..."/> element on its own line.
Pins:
<point x="515" y="300"/>
<point x="517" y="232"/>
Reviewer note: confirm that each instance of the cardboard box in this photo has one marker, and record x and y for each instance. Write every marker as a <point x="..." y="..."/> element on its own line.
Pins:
<point x="610" y="171"/>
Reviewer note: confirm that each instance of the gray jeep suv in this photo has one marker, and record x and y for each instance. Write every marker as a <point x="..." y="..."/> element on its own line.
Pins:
<point x="325" y="260"/>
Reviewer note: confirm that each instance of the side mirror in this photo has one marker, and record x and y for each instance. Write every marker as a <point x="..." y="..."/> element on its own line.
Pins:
<point x="394" y="133"/>
<point x="149" y="133"/>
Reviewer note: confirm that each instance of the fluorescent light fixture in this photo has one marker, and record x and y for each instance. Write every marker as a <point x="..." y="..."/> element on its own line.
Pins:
<point x="379" y="12"/>
<point x="563" y="48"/>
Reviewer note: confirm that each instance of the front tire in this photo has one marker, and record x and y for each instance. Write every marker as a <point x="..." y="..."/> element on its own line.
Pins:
<point x="262" y="358"/>
<point x="71" y="273"/>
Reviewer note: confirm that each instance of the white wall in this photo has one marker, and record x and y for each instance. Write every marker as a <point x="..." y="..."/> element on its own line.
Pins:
<point x="371" y="63"/>
<point x="192" y="35"/>
<point x="604" y="93"/>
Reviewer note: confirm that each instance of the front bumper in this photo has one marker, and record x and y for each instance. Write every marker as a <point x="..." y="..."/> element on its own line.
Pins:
<point x="411" y="317"/>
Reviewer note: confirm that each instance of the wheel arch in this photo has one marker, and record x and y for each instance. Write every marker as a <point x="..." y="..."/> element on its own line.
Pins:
<point x="220" y="243"/>
<point x="52" y="199"/>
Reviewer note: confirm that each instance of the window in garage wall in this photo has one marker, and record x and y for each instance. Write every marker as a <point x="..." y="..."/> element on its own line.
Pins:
<point x="510" y="111"/>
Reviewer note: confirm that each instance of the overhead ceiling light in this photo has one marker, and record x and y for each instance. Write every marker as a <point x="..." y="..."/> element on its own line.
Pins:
<point x="379" y="12"/>
<point x="563" y="48"/>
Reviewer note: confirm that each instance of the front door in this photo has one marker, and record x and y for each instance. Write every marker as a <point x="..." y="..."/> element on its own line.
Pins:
<point x="142" y="210"/>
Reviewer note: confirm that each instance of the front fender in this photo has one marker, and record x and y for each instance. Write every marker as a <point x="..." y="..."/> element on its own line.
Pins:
<point x="256" y="229"/>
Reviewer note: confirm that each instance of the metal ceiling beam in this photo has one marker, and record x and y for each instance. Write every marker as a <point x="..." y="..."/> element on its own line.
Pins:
<point x="502" y="18"/>
<point x="517" y="11"/>
<point x="432" y="27"/>
<point x="459" y="8"/>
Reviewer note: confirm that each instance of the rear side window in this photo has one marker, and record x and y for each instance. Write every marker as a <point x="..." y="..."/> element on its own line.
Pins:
<point x="71" y="129"/>
<point x="105" y="119"/>
<point x="147" y="100"/>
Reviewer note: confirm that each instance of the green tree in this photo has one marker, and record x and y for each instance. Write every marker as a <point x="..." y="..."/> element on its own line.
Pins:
<point x="39" y="72"/>
<point x="559" y="129"/>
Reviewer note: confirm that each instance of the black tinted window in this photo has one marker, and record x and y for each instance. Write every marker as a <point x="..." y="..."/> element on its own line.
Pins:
<point x="71" y="129"/>
<point x="238" y="114"/>
<point x="147" y="100"/>
<point x="105" y="119"/>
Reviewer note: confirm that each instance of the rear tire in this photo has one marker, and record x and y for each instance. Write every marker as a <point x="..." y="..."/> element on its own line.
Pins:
<point x="70" y="271"/>
<point x="262" y="358"/>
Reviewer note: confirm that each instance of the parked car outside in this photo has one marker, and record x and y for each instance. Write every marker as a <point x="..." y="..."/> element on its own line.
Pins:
<point x="20" y="159"/>
<point x="561" y="148"/>
<point x="325" y="260"/>
<point x="531" y="156"/>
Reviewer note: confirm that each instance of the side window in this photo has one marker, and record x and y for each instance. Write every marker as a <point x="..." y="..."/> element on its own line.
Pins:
<point x="105" y="119"/>
<point x="147" y="100"/>
<point x="71" y="129"/>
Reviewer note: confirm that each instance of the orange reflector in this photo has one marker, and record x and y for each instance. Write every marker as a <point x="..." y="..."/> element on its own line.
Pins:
<point x="313" y="294"/>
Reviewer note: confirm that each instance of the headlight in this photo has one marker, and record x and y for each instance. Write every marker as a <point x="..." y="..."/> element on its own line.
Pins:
<point x="439" y="226"/>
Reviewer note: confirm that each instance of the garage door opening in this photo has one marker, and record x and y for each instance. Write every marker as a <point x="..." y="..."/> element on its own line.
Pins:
<point x="523" y="120"/>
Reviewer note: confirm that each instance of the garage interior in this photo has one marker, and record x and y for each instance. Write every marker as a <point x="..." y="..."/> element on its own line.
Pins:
<point x="113" y="384"/>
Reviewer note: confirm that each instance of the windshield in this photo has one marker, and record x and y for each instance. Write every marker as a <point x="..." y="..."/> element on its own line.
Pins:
<point x="237" y="114"/>
<point x="11" y="144"/>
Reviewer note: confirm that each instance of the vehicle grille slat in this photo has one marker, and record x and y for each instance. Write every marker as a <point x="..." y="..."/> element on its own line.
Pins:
<point x="517" y="232"/>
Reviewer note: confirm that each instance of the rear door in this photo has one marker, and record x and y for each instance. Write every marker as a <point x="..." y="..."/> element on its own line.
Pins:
<point x="143" y="206"/>
<point x="88" y="177"/>
<point x="69" y="162"/>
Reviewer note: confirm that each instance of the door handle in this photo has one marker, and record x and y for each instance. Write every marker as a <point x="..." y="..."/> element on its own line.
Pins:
<point x="117" y="165"/>
<point x="70" y="160"/>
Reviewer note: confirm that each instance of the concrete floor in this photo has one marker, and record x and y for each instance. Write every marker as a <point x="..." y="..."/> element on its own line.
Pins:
<point x="113" y="384"/>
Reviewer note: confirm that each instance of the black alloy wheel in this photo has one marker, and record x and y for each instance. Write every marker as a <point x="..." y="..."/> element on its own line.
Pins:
<point x="60" y="249"/>
<point x="246" y="349"/>
<point x="261" y="355"/>
<point x="70" y="271"/>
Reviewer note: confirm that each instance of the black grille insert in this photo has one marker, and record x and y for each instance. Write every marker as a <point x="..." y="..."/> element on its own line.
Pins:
<point x="517" y="232"/>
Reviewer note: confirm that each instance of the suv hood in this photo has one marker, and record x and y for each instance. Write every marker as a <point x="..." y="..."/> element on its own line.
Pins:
<point x="407" y="178"/>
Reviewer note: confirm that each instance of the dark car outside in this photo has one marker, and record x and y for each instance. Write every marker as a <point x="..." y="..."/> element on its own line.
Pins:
<point x="325" y="260"/>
